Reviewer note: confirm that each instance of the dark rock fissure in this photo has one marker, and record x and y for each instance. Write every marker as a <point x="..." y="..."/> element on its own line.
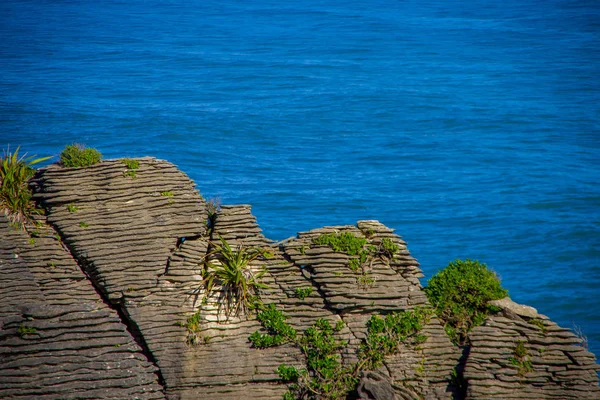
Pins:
<point x="123" y="316"/>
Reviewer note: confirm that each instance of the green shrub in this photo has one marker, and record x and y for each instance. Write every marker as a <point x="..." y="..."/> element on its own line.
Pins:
<point x="15" y="194"/>
<point x="76" y="155"/>
<point x="277" y="330"/>
<point x="230" y="272"/>
<point x="384" y="335"/>
<point x="460" y="294"/>
<point x="326" y="375"/>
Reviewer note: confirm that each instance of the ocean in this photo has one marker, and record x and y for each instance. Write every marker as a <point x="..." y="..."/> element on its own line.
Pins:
<point x="472" y="128"/>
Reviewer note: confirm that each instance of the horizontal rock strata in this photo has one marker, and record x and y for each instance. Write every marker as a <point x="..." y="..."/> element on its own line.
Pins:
<point x="95" y="302"/>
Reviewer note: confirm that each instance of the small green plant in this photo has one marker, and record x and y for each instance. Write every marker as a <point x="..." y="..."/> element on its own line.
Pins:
<point x="83" y="224"/>
<point x="26" y="330"/>
<point x="230" y="274"/>
<point x="76" y="155"/>
<point x="460" y="294"/>
<point x="539" y="324"/>
<point x="388" y="248"/>
<point x="132" y="166"/>
<point x="521" y="359"/>
<point x="302" y="293"/>
<point x="50" y="264"/>
<point x="167" y="194"/>
<point x="192" y="325"/>
<point x="72" y="208"/>
<point x="302" y="249"/>
<point x="354" y="265"/>
<point x="15" y="194"/>
<point x="32" y="241"/>
<point x="365" y="280"/>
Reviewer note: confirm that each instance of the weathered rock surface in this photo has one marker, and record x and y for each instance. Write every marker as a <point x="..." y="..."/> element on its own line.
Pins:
<point x="95" y="305"/>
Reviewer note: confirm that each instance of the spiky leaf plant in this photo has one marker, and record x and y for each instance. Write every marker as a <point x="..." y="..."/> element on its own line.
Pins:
<point x="15" y="195"/>
<point x="227" y="271"/>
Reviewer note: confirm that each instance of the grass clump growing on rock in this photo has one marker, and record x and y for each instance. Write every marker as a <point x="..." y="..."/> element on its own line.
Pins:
<point x="77" y="155"/>
<point x="230" y="274"/>
<point x="460" y="294"/>
<point x="15" y="194"/>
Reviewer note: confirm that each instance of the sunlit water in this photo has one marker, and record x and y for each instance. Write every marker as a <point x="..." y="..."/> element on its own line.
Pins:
<point x="472" y="130"/>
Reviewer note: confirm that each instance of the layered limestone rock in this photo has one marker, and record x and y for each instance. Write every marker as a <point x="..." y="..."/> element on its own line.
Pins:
<point x="57" y="337"/>
<point x="96" y="305"/>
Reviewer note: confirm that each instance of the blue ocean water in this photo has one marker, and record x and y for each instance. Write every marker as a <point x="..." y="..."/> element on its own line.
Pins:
<point x="472" y="128"/>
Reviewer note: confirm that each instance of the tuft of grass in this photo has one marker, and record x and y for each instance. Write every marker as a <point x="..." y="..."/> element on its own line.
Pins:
<point x="83" y="224"/>
<point x="72" y="208"/>
<point x="460" y="293"/>
<point x="132" y="165"/>
<point x="15" y="194"/>
<point x="167" y="194"/>
<point x="230" y="274"/>
<point x="77" y="155"/>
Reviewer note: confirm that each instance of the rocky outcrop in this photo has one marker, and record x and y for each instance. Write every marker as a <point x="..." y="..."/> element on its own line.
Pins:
<point x="96" y="304"/>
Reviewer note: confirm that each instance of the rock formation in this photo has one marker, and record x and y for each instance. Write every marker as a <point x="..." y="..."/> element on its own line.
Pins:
<point x="94" y="304"/>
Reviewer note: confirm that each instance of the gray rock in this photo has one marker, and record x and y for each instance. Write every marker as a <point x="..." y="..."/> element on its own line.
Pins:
<point x="374" y="386"/>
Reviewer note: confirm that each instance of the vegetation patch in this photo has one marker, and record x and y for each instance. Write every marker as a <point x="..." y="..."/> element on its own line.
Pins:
<point x="132" y="166"/>
<point x="72" y="208"/>
<point x="345" y="242"/>
<point x="228" y="272"/>
<point x="460" y="294"/>
<point x="521" y="359"/>
<point x="384" y="334"/>
<point x="15" y="194"/>
<point x="539" y="324"/>
<point x="277" y="331"/>
<point x="303" y="293"/>
<point x="26" y="330"/>
<point x="83" y="224"/>
<point x="77" y="155"/>
<point x="325" y="375"/>
<point x="167" y="194"/>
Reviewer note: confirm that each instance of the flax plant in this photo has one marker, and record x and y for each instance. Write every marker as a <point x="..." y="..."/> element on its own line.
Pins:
<point x="15" y="195"/>
<point x="228" y="272"/>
